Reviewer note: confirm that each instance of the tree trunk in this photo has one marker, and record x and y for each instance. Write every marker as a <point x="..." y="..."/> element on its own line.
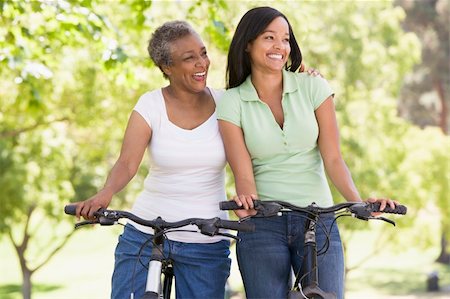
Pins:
<point x="20" y="250"/>
<point x="438" y="86"/>
<point x="444" y="256"/>
<point x="26" y="283"/>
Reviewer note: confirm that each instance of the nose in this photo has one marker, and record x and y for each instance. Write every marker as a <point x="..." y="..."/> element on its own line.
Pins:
<point x="201" y="62"/>
<point x="279" y="45"/>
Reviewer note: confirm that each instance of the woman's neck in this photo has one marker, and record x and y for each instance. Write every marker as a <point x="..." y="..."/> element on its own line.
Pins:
<point x="186" y="97"/>
<point x="267" y="83"/>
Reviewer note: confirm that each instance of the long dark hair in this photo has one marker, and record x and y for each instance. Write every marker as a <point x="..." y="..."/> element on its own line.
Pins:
<point x="249" y="28"/>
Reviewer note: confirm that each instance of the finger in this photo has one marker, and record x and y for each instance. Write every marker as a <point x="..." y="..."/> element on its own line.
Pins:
<point x="391" y="203"/>
<point x="93" y="210"/>
<point x="78" y="210"/>
<point x="244" y="201"/>
<point x="371" y="200"/>
<point x="83" y="211"/>
<point x="237" y="200"/>
<point x="249" y="199"/>
<point x="302" y="68"/>
<point x="382" y="205"/>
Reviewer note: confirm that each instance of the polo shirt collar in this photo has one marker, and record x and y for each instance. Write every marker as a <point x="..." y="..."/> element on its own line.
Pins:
<point x="248" y="92"/>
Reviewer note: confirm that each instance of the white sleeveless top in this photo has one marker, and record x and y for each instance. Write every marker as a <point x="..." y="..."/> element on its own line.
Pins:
<point x="187" y="175"/>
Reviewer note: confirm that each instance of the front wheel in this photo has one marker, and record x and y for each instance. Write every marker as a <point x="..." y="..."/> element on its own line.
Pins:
<point x="150" y="295"/>
<point x="299" y="295"/>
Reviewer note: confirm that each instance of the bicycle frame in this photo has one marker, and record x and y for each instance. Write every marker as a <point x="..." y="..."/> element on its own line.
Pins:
<point x="310" y="283"/>
<point x="158" y="265"/>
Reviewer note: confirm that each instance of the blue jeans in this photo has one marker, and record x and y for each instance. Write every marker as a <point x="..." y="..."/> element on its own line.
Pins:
<point x="266" y="256"/>
<point x="201" y="270"/>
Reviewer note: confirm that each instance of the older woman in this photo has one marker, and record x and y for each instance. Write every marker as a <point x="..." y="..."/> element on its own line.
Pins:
<point x="178" y="125"/>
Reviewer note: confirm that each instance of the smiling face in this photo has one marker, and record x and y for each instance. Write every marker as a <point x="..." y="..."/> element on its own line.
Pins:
<point x="190" y="63"/>
<point x="270" y="51"/>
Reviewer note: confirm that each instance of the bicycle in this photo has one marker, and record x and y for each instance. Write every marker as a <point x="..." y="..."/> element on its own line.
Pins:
<point x="160" y="267"/>
<point x="306" y="283"/>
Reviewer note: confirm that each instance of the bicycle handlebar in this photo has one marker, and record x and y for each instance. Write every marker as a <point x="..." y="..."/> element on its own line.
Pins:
<point x="359" y="209"/>
<point x="208" y="227"/>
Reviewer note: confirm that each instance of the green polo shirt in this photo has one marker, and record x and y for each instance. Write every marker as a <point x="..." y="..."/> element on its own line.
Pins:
<point x="287" y="164"/>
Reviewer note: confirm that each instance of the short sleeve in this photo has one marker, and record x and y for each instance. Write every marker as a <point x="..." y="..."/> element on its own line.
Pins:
<point x="229" y="108"/>
<point x="320" y="91"/>
<point x="147" y="106"/>
<point x="216" y="94"/>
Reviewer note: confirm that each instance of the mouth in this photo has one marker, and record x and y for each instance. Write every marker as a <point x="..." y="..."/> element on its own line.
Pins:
<point x="202" y="74"/>
<point x="275" y="56"/>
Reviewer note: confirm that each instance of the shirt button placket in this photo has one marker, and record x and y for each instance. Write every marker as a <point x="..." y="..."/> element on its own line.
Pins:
<point x="285" y="142"/>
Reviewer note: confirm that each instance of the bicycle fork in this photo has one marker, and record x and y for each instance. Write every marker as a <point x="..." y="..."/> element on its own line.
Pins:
<point x="309" y="287"/>
<point x="157" y="266"/>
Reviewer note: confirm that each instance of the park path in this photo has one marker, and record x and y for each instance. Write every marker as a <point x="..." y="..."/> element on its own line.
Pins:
<point x="354" y="295"/>
<point x="438" y="295"/>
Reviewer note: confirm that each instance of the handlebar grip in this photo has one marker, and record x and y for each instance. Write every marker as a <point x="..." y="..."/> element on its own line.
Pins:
<point x="236" y="225"/>
<point x="70" y="210"/>
<point x="399" y="209"/>
<point x="229" y="205"/>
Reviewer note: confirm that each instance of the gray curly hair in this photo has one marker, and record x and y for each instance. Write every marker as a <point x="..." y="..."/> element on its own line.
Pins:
<point x="161" y="40"/>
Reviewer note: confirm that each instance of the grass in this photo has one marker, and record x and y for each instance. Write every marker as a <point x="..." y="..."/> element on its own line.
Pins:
<point x="82" y="270"/>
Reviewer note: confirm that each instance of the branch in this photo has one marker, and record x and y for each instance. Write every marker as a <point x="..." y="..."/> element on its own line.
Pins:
<point x="21" y="248"/>
<point x="379" y="244"/>
<point x="56" y="250"/>
<point x="14" y="133"/>
<point x="26" y="235"/>
<point x="16" y="246"/>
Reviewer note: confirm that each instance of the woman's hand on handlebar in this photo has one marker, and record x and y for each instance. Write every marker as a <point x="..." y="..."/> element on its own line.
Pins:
<point x="87" y="208"/>
<point x="245" y="201"/>
<point x="384" y="202"/>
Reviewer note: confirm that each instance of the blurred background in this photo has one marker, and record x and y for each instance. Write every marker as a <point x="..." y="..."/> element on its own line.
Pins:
<point x="71" y="72"/>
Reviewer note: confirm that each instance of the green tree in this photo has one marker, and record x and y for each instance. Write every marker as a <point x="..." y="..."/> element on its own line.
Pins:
<point x="426" y="94"/>
<point x="58" y="61"/>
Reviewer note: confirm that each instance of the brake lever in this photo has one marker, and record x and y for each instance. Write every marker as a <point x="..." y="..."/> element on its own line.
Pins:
<point x="229" y="236"/>
<point x="83" y="223"/>
<point x="384" y="219"/>
<point x="367" y="218"/>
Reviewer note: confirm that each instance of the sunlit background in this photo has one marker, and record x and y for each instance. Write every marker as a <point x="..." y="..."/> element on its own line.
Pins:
<point x="71" y="72"/>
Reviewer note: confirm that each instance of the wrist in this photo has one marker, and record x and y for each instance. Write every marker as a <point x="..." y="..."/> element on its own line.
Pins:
<point x="107" y="191"/>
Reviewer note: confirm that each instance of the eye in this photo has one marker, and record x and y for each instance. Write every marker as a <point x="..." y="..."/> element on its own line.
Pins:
<point x="188" y="58"/>
<point x="204" y="54"/>
<point x="269" y="37"/>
